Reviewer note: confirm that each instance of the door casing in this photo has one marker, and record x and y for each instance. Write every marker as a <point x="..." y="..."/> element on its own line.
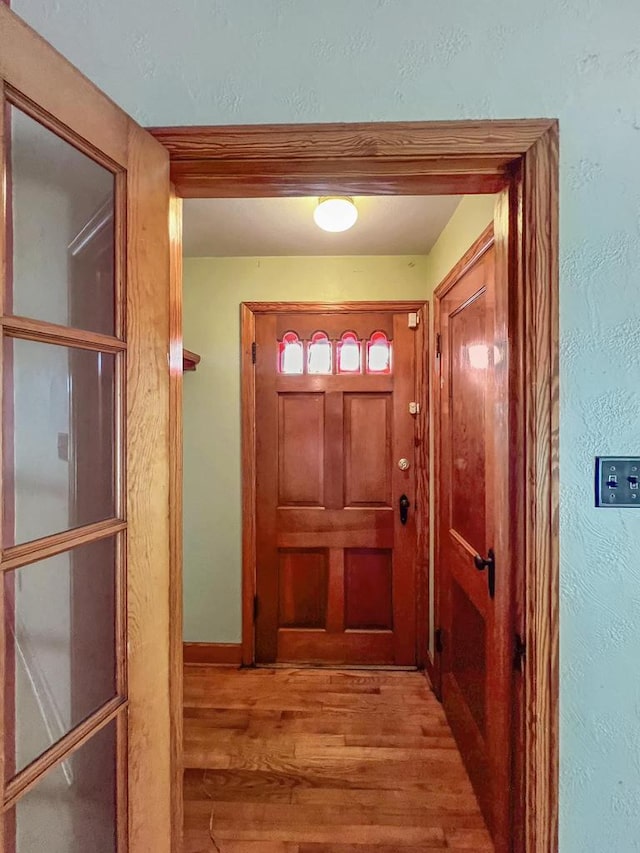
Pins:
<point x="248" y="312"/>
<point x="519" y="160"/>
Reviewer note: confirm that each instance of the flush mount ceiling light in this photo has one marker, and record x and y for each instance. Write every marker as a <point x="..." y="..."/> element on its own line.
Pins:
<point x="335" y="213"/>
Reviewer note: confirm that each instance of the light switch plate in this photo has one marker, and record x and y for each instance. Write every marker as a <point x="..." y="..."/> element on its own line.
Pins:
<point x="618" y="481"/>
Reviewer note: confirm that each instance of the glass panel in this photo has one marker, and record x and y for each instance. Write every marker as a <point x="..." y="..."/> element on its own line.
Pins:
<point x="62" y="208"/>
<point x="291" y="354"/>
<point x="468" y="637"/>
<point x="349" y="353"/>
<point x="320" y="354"/>
<point x="73" y="808"/>
<point x="62" y="419"/>
<point x="379" y="354"/>
<point x="60" y="645"/>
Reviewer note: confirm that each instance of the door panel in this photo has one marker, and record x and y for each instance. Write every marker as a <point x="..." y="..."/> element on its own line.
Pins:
<point x="468" y="653"/>
<point x="85" y="463"/>
<point x="300" y="450"/>
<point x="302" y="584"/>
<point x="367" y="449"/>
<point x="472" y="519"/>
<point x="335" y="567"/>
<point x="467" y="394"/>
<point x="368" y="589"/>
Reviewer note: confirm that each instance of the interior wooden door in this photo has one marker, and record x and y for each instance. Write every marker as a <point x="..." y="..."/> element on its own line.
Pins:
<point x="474" y="577"/>
<point x="84" y="555"/>
<point x="336" y="487"/>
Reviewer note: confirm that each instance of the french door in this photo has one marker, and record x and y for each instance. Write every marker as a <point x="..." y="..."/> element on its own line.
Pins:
<point x="85" y="464"/>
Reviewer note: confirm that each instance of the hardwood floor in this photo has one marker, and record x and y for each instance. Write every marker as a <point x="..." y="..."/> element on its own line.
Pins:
<point x="322" y="761"/>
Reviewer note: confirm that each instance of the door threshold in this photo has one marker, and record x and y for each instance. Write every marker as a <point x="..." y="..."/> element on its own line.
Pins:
<point x="339" y="666"/>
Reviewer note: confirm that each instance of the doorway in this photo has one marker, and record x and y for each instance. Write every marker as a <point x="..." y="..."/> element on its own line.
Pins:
<point x="339" y="451"/>
<point x="518" y="160"/>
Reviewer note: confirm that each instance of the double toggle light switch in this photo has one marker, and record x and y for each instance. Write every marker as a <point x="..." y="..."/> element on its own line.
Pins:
<point x="618" y="481"/>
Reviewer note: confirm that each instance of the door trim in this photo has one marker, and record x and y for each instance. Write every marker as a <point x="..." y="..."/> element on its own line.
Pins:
<point x="248" y="313"/>
<point x="520" y="156"/>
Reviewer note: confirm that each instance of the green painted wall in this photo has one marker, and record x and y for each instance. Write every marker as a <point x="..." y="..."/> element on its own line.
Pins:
<point x="469" y="220"/>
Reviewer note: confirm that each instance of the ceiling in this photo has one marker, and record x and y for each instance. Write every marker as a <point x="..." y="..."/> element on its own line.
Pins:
<point x="264" y="227"/>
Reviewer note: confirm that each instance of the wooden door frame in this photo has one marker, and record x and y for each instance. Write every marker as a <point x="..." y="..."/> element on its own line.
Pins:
<point x="248" y="313"/>
<point x="521" y="159"/>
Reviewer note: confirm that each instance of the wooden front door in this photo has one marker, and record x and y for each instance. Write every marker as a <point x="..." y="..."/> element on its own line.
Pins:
<point x="84" y="556"/>
<point x="336" y="486"/>
<point x="474" y="575"/>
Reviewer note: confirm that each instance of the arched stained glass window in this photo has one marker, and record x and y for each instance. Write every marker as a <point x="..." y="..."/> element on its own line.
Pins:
<point x="378" y="353"/>
<point x="349" y="353"/>
<point x="290" y="354"/>
<point x="320" y="354"/>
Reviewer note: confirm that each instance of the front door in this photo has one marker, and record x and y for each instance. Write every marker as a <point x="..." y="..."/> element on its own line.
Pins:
<point x="472" y="564"/>
<point x="84" y="557"/>
<point x="336" y="432"/>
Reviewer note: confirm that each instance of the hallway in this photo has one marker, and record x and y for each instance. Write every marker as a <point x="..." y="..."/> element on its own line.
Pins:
<point x="322" y="761"/>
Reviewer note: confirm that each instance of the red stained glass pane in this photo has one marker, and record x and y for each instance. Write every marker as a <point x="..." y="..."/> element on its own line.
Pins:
<point x="320" y="354"/>
<point x="349" y="353"/>
<point x="379" y="353"/>
<point x="290" y="354"/>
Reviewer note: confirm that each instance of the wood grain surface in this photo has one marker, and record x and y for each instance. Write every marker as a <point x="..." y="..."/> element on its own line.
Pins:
<point x="176" y="368"/>
<point x="538" y="334"/>
<point x="221" y="654"/>
<point x="39" y="81"/>
<point x="388" y="158"/>
<point x="310" y="761"/>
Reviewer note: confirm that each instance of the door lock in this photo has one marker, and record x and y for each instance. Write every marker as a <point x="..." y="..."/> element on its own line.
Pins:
<point x="404" y="464"/>
<point x="489" y="563"/>
<point x="404" y="509"/>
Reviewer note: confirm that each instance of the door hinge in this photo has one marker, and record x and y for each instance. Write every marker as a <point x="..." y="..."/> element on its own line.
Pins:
<point x="437" y="640"/>
<point x="519" y="653"/>
<point x="438" y="345"/>
<point x="255" y="608"/>
<point x="414" y="319"/>
<point x="254" y="350"/>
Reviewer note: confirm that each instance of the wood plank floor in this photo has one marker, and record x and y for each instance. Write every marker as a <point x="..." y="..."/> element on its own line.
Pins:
<point x="322" y="761"/>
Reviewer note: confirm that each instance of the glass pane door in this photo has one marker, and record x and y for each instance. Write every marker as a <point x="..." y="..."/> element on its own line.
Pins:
<point x="63" y="525"/>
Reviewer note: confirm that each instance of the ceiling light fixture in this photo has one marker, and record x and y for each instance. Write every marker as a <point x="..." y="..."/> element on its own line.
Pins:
<point x="335" y="213"/>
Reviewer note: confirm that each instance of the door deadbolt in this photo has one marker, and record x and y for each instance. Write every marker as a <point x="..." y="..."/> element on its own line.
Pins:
<point x="404" y="509"/>
<point x="404" y="464"/>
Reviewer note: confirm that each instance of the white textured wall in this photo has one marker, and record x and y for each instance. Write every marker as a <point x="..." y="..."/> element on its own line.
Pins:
<point x="224" y="61"/>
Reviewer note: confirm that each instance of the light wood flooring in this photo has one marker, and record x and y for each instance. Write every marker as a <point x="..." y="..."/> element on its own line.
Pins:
<point x="322" y="761"/>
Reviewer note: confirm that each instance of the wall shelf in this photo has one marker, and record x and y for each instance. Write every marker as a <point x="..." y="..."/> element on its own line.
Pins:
<point x="190" y="360"/>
